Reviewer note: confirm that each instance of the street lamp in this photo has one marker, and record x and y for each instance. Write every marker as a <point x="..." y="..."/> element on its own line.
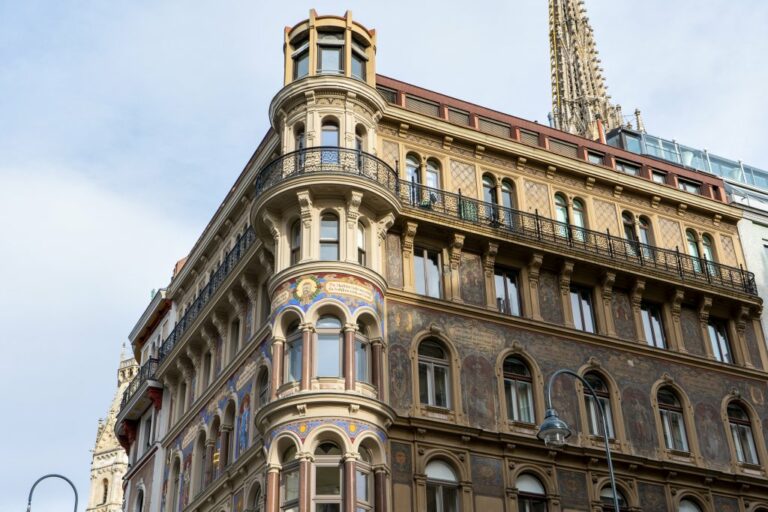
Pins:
<point x="52" y="475"/>
<point x="554" y="431"/>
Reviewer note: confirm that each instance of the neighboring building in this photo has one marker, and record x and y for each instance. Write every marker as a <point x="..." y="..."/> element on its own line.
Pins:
<point x="368" y="320"/>
<point x="110" y="462"/>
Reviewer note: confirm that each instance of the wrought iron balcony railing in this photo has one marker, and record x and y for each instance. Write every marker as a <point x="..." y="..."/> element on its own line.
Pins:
<point x="519" y="224"/>
<point x="513" y="223"/>
<point x="326" y="160"/>
<point x="146" y="372"/>
<point x="233" y="257"/>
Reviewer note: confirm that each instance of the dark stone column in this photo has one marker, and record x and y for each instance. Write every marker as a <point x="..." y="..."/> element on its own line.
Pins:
<point x="380" y="490"/>
<point x="349" y="356"/>
<point x="306" y="357"/>
<point x="278" y="346"/>
<point x="377" y="370"/>
<point x="273" y="489"/>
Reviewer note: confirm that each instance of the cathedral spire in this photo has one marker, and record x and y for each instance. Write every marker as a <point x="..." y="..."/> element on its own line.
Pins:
<point x="580" y="102"/>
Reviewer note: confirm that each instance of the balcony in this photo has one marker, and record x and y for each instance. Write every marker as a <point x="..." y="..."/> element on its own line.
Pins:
<point x="511" y="223"/>
<point x="209" y="291"/>
<point x="330" y="161"/>
<point x="135" y="397"/>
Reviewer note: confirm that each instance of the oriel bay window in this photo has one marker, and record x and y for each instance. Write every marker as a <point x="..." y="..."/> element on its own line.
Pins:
<point x="594" y="419"/>
<point x="653" y="328"/>
<point x="427" y="272"/>
<point x="442" y="487"/>
<point x="672" y="422"/>
<point x="329" y="347"/>
<point x="292" y="356"/>
<point x="741" y="433"/>
<point x="507" y="296"/>
<point x="517" y="390"/>
<point x="327" y="478"/>
<point x="434" y="374"/>
<point x="289" y="481"/>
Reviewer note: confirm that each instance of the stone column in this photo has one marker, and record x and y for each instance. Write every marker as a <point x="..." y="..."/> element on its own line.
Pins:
<point x="278" y="345"/>
<point x="380" y="489"/>
<point x="606" y="294"/>
<point x="226" y="437"/>
<point x="307" y="333"/>
<point x="457" y="243"/>
<point x="739" y="345"/>
<point x="210" y="342"/>
<point x="489" y="263"/>
<point x="348" y="488"/>
<point x="273" y="488"/>
<point x="636" y="298"/>
<point x="210" y="444"/>
<point x="565" y="292"/>
<point x="531" y="292"/>
<point x="349" y="356"/>
<point x="704" y="306"/>
<point x="354" y="199"/>
<point x="676" y="330"/>
<point x="305" y="467"/>
<point x="409" y="233"/>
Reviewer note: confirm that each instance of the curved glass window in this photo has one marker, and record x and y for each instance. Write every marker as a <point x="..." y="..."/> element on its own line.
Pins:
<point x="292" y="355"/>
<point x="518" y="390"/>
<point x="328" y="477"/>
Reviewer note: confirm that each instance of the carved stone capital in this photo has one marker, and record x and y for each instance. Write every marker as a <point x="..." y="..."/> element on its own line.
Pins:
<point x="489" y="257"/>
<point x="455" y="250"/>
<point x="384" y="224"/>
<point x="250" y="287"/>
<point x="637" y="293"/>
<point x="236" y="301"/>
<point x="565" y="277"/>
<point x="209" y="338"/>
<point x="354" y="198"/>
<point x="607" y="282"/>
<point x="676" y="302"/>
<point x="704" y="306"/>
<point x="409" y="233"/>
<point x="534" y="267"/>
<point x="305" y="204"/>
<point x="219" y="323"/>
<point x="742" y="316"/>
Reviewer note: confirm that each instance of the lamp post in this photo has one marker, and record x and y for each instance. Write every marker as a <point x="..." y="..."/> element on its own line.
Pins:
<point x="554" y="431"/>
<point x="52" y="475"/>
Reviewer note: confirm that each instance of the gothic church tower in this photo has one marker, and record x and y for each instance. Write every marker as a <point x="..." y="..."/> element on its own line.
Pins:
<point x="110" y="461"/>
<point x="579" y="94"/>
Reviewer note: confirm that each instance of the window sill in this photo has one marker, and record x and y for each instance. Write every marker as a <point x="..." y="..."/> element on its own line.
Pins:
<point x="520" y="427"/>
<point x="751" y="469"/>
<point x="435" y="412"/>
<point x="678" y="456"/>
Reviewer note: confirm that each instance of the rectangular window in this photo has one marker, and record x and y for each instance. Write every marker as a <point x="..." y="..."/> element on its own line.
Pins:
<point x="653" y="327"/>
<point x="328" y="355"/>
<point x="659" y="177"/>
<point x="718" y="338"/>
<point x="427" y="272"/>
<point x="581" y="306"/>
<point x="358" y="66"/>
<point x="674" y="430"/>
<point x="433" y="384"/>
<point x="362" y="371"/>
<point x="595" y="420"/>
<point x="301" y="65"/>
<point x="330" y="52"/>
<point x="595" y="158"/>
<point x="289" y="490"/>
<point x="507" y="296"/>
<point x="744" y="444"/>
<point x="689" y="186"/>
<point x="147" y="433"/>
<point x="627" y="168"/>
<point x="292" y="370"/>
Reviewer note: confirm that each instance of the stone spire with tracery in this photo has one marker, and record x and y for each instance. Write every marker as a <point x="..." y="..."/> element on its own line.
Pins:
<point x="579" y="94"/>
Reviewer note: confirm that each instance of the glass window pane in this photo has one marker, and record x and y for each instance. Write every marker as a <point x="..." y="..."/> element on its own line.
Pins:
<point x="330" y="59"/>
<point x="301" y="63"/>
<point x="576" y="310"/>
<point x="329" y="251"/>
<point x="290" y="484"/>
<point x="418" y="271"/>
<point x="327" y="480"/>
<point x="432" y="491"/>
<point x="328" y="507"/>
<point x="361" y="362"/>
<point x="433" y="274"/>
<point x="328" y="355"/>
<point x="450" y="499"/>
<point x="423" y="383"/>
<point x="362" y="487"/>
<point x="586" y="306"/>
<point x="525" y="401"/>
<point x="509" y="393"/>
<point x="329" y="227"/>
<point x="441" y="386"/>
<point x="498" y="282"/>
<point x="358" y="67"/>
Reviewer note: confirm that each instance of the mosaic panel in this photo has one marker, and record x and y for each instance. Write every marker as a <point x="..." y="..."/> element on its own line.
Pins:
<point x="394" y="261"/>
<point x="652" y="496"/>
<point x="726" y="504"/>
<point x="463" y="178"/>
<point x="537" y="198"/>
<point x="550" y="303"/>
<point x="390" y="152"/>
<point x="670" y="233"/>
<point x="402" y="463"/>
<point x="472" y="279"/>
<point x="623" y="316"/>
<point x="478" y="382"/>
<point x="691" y="327"/>
<point x="639" y="420"/>
<point x="353" y="428"/>
<point x="605" y="217"/>
<point x="304" y="291"/>
<point x="729" y="252"/>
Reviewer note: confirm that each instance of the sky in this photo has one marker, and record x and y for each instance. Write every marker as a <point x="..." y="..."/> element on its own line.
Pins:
<point x="123" y="125"/>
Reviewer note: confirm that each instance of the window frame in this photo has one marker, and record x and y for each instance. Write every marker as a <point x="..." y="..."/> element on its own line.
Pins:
<point x="430" y="363"/>
<point x="328" y="335"/>
<point x="330" y="243"/>
<point x="334" y="44"/>
<point x="503" y="304"/>
<point x="328" y="461"/>
<point x="594" y="418"/>
<point x="721" y="340"/>
<point x="422" y="254"/>
<point x="649" y="312"/>
<point x="438" y="486"/>
<point x="289" y="467"/>
<point x="668" y="411"/>
<point x="512" y="391"/>
<point x="743" y="426"/>
<point x="293" y="353"/>
<point x="584" y="295"/>
<point x="295" y="242"/>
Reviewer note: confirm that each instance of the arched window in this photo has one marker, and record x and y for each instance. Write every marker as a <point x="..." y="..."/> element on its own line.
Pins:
<point x="442" y="487"/>
<point x="213" y="468"/>
<point x="292" y="357"/>
<point x="531" y="495"/>
<point x="174" y="488"/>
<point x="646" y="235"/>
<point x="606" y="498"/>
<point x="434" y="374"/>
<point x="741" y="432"/>
<point x="561" y="209"/>
<point x="413" y="177"/>
<point x="433" y="173"/>
<point x="227" y="455"/>
<point x="579" y="220"/>
<point x="329" y="237"/>
<point x="693" y="249"/>
<point x="139" y="501"/>
<point x="329" y="351"/>
<point x="708" y="246"/>
<point x="330" y="139"/>
<point x="517" y="390"/>
<point x="508" y="202"/>
<point x="672" y="420"/>
<point x="489" y="189"/>
<point x="295" y="242"/>
<point x="360" y="145"/>
<point x="361" y="244"/>
<point x="362" y="355"/>
<point x="687" y="505"/>
<point x="257" y="503"/>
<point x="364" y="484"/>
<point x="262" y="387"/>
<point x="198" y="464"/>
<point x="593" y="413"/>
<point x="104" y="491"/>
<point x="628" y="221"/>
<point x="289" y="481"/>
<point x="328" y="477"/>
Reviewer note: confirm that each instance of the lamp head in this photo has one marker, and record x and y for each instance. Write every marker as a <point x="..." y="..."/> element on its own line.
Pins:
<point x="553" y="431"/>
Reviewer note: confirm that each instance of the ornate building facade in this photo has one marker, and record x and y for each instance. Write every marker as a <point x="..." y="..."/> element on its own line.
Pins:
<point x="110" y="461"/>
<point x="369" y="319"/>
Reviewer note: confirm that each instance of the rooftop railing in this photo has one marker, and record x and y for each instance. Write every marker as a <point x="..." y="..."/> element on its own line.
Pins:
<point x="515" y="224"/>
<point x="146" y="372"/>
<point x="233" y="257"/>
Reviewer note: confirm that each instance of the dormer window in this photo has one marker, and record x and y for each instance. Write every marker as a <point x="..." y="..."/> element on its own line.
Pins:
<point x="330" y="52"/>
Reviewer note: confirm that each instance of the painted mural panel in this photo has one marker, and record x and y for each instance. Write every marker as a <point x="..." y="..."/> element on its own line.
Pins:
<point x="623" y="316"/>
<point x="639" y="419"/>
<point x="487" y="476"/>
<point x="573" y="488"/>
<point x="726" y="504"/>
<point x="709" y="427"/>
<point x="400" y="379"/>
<point x="243" y="421"/>
<point x="750" y="336"/>
<point x="394" y="261"/>
<point x="472" y="279"/>
<point x="303" y="291"/>
<point x="479" y="385"/>
<point x="652" y="496"/>
<point x="549" y="298"/>
<point x="402" y="463"/>
<point x="691" y="327"/>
